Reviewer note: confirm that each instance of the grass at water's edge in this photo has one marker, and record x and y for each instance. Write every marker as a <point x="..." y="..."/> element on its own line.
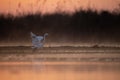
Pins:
<point x="62" y="53"/>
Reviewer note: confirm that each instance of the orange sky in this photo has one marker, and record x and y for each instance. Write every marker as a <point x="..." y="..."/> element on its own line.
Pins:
<point x="51" y="6"/>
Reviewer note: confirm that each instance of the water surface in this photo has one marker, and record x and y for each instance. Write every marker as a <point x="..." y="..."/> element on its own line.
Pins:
<point x="59" y="70"/>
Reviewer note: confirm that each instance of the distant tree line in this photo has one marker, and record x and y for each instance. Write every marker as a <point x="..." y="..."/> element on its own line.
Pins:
<point x="82" y="25"/>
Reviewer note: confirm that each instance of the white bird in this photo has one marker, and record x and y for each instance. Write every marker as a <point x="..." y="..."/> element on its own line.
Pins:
<point x="38" y="41"/>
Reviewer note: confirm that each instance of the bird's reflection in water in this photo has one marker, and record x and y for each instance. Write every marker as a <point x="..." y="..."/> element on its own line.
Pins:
<point x="60" y="71"/>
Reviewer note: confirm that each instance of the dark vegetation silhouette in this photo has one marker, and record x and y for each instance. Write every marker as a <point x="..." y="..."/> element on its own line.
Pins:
<point x="84" y="25"/>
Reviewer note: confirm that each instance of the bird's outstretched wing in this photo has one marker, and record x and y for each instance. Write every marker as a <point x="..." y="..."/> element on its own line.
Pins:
<point x="32" y="35"/>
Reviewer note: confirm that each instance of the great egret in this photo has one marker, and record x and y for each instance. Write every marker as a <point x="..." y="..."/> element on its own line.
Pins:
<point x="38" y="41"/>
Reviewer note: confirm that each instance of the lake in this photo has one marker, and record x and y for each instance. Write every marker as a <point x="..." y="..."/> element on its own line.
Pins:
<point x="60" y="71"/>
<point x="20" y="63"/>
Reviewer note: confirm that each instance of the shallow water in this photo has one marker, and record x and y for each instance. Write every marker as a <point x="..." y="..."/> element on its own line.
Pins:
<point x="24" y="53"/>
<point x="71" y="63"/>
<point x="59" y="71"/>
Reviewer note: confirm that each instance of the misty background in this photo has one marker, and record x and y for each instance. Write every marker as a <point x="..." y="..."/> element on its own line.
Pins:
<point x="82" y="27"/>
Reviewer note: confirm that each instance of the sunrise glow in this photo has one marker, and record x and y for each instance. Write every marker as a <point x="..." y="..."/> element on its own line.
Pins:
<point x="51" y="6"/>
